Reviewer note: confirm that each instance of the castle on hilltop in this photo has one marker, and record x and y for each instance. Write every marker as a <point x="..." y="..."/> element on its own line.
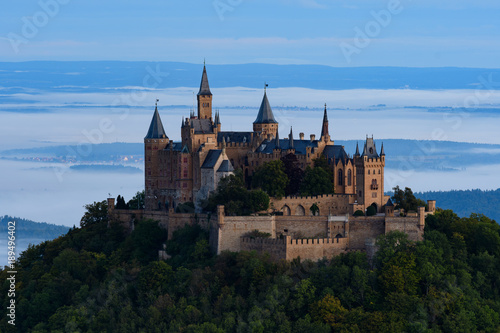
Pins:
<point x="187" y="171"/>
<point x="190" y="170"/>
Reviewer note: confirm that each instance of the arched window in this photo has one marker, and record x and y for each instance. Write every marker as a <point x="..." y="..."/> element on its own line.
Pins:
<point x="349" y="177"/>
<point x="368" y="171"/>
<point x="340" y="176"/>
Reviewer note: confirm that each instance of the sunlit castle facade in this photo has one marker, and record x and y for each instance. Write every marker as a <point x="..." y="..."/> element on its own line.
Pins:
<point x="190" y="169"/>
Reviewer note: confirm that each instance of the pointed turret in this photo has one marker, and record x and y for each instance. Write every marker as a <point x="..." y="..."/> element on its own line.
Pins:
<point x="357" y="150"/>
<point x="204" y="86"/>
<point x="365" y="151"/>
<point x="382" y="153"/>
<point x="265" y="122"/>
<point x="265" y="115"/>
<point x="290" y="139"/>
<point x="277" y="141"/>
<point x="204" y="97"/>
<point x="324" y="129"/>
<point x="156" y="130"/>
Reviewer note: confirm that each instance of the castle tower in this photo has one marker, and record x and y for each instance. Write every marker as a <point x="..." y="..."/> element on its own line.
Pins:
<point x="325" y="136"/>
<point x="204" y="97"/>
<point x="156" y="140"/>
<point x="265" y="122"/>
<point x="370" y="176"/>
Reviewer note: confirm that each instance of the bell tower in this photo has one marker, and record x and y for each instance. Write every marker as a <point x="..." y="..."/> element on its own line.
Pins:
<point x="204" y="97"/>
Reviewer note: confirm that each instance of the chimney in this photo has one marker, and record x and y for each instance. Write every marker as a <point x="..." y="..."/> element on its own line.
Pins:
<point x="313" y="137"/>
<point x="301" y="136"/>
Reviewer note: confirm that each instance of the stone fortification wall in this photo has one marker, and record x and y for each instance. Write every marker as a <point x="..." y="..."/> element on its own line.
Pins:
<point x="362" y="228"/>
<point x="302" y="226"/>
<point x="335" y="204"/>
<point x="408" y="225"/>
<point x="288" y="248"/>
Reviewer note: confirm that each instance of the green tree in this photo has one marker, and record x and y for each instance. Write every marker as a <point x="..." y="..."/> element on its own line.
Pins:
<point x="97" y="213"/>
<point x="406" y="200"/>
<point x="271" y="177"/>
<point x="316" y="182"/>
<point x="294" y="173"/>
<point x="137" y="202"/>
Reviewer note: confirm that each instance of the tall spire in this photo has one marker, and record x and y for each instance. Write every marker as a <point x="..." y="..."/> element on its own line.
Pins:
<point x="382" y="153"/>
<point x="204" y="87"/>
<point x="324" y="128"/>
<point x="265" y="115"/>
<point x="290" y="139"/>
<point x="277" y="140"/>
<point x="156" y="130"/>
<point x="357" y="149"/>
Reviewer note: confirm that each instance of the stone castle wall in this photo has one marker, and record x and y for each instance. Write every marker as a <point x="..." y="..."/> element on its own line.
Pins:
<point x="334" y="204"/>
<point x="288" y="248"/>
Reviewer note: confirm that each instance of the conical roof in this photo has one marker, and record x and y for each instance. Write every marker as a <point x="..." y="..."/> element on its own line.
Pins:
<point x="156" y="130"/>
<point x="265" y="115"/>
<point x="324" y="127"/>
<point x="204" y="87"/>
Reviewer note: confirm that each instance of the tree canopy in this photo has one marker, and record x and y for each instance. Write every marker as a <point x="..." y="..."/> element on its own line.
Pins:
<point x="271" y="178"/>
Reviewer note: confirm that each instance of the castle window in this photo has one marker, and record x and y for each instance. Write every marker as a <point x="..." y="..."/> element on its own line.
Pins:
<point x="185" y="185"/>
<point x="374" y="194"/>
<point x="360" y="193"/>
<point x="379" y="171"/>
<point x="349" y="177"/>
<point x="340" y="176"/>
<point x="374" y="185"/>
<point x="185" y="159"/>
<point x="368" y="171"/>
<point x="185" y="173"/>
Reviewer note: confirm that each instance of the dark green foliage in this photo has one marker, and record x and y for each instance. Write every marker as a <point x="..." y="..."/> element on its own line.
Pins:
<point x="137" y="202"/>
<point x="257" y="234"/>
<point x="26" y="229"/>
<point x="120" y="203"/>
<point x="316" y="181"/>
<point x="236" y="198"/>
<point x="406" y="200"/>
<point x="294" y="173"/>
<point x="370" y="211"/>
<point x="465" y="202"/>
<point x="187" y="207"/>
<point x="271" y="178"/>
<point x="97" y="279"/>
<point x="359" y="213"/>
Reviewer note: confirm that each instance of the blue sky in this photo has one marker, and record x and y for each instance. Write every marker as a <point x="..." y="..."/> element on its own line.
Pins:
<point x="421" y="33"/>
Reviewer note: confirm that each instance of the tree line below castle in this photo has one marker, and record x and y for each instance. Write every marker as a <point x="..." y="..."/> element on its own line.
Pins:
<point x="96" y="278"/>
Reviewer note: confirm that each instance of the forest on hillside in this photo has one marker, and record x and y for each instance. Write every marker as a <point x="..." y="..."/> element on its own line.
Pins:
<point x="27" y="229"/>
<point x="465" y="202"/>
<point x="97" y="279"/>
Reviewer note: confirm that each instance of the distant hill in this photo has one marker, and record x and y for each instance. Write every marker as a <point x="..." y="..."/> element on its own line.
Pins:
<point x="26" y="229"/>
<point x="465" y="202"/>
<point x="433" y="155"/>
<point x="97" y="75"/>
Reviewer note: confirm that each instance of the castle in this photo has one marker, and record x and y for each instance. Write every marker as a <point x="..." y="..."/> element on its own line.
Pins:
<point x="189" y="170"/>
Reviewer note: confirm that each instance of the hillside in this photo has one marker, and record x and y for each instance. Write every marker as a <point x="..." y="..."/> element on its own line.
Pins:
<point x="463" y="203"/>
<point x="26" y="229"/>
<point x="95" y="279"/>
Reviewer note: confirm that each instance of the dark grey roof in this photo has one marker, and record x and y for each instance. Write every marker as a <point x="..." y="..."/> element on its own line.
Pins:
<point x="211" y="159"/>
<point x="336" y="152"/>
<point x="370" y="149"/>
<point x="234" y="136"/>
<point x="300" y="146"/>
<point x="156" y="130"/>
<point x="389" y="203"/>
<point x="225" y="166"/>
<point x="201" y="126"/>
<point x="382" y="152"/>
<point x="357" y="150"/>
<point x="324" y="127"/>
<point x="204" y="87"/>
<point x="265" y="115"/>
